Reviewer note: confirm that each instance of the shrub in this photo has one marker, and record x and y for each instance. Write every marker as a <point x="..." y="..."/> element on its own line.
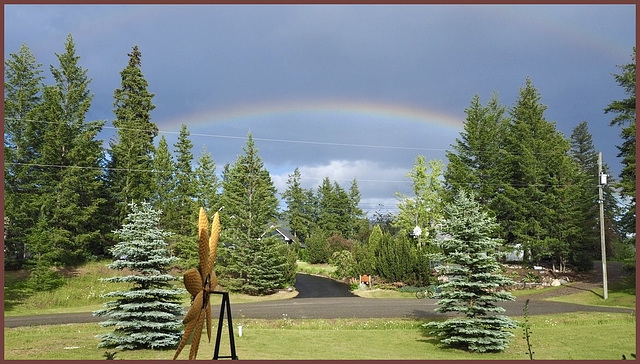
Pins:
<point x="345" y="264"/>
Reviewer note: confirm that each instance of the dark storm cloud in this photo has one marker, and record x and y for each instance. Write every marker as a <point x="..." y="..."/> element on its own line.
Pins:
<point x="201" y="58"/>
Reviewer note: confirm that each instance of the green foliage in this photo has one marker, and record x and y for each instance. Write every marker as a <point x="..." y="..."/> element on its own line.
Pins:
<point x="207" y="183"/>
<point x="249" y="197"/>
<point x="473" y="280"/>
<point x="184" y="213"/>
<point x="130" y="172"/>
<point x="22" y="136"/>
<point x="345" y="264"/>
<point x="290" y="268"/>
<point x="476" y="163"/>
<point x="299" y="212"/>
<point x="586" y="246"/>
<point x="364" y="257"/>
<point x="42" y="278"/>
<point x="253" y="262"/>
<point x="625" y="116"/>
<point x="186" y="249"/>
<point x="317" y="248"/>
<point x="147" y="315"/>
<point x="424" y="209"/>
<point x="256" y="267"/>
<point x="164" y="181"/>
<point x="397" y="259"/>
<point x="55" y="209"/>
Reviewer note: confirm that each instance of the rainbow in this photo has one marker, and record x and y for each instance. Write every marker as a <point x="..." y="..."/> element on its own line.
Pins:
<point x="316" y="108"/>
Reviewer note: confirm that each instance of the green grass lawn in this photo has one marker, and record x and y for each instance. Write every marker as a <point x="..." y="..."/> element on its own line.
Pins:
<point x="620" y="294"/>
<point x="81" y="292"/>
<point x="565" y="336"/>
<point x="555" y="337"/>
<point x="320" y="269"/>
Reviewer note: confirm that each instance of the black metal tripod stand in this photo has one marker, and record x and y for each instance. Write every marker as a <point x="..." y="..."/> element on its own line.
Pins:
<point x="225" y="304"/>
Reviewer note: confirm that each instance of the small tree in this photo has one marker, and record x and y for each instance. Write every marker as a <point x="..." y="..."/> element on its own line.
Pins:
<point x="473" y="280"/>
<point x="146" y="315"/>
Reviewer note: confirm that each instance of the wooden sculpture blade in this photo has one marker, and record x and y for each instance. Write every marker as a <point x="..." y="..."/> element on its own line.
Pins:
<point x="212" y="245"/>
<point x="195" y="343"/>
<point x="195" y="309"/>
<point x="188" y="330"/>
<point x="203" y="243"/>
<point x="193" y="281"/>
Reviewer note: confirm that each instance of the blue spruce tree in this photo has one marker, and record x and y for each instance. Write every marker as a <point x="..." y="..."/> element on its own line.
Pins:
<point x="149" y="315"/>
<point x="473" y="280"/>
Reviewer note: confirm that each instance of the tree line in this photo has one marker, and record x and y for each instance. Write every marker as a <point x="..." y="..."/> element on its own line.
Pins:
<point x="65" y="194"/>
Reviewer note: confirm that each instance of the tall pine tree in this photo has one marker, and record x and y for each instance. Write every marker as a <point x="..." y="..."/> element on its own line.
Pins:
<point x="540" y="178"/>
<point x="475" y="162"/>
<point x="296" y="213"/>
<point x="130" y="172"/>
<point x="585" y="155"/>
<point x="164" y="182"/>
<point x="625" y="116"/>
<point x="254" y="264"/>
<point x="22" y="137"/>
<point x="71" y="195"/>
<point x="184" y="192"/>
<point x="207" y="183"/>
<point x="148" y="315"/>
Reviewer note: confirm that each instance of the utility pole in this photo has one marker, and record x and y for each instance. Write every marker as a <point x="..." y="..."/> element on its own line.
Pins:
<point x="602" y="181"/>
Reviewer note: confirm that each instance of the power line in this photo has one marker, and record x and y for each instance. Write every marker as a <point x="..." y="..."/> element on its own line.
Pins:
<point x="293" y="141"/>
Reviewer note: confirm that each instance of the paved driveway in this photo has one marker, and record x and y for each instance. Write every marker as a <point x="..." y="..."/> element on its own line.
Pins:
<point x="326" y="298"/>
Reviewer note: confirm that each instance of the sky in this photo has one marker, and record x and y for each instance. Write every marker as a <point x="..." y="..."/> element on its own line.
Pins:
<point x="340" y="91"/>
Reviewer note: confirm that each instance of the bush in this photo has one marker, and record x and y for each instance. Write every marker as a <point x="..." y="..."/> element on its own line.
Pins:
<point x="317" y="248"/>
<point x="43" y="278"/>
<point x="337" y="243"/>
<point x="345" y="264"/>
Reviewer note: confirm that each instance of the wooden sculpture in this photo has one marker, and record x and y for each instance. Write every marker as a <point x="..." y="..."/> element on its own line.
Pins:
<point x="200" y="283"/>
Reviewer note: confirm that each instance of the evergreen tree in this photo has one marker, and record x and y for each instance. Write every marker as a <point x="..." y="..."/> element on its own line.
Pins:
<point x="317" y="248"/>
<point x="297" y="207"/>
<point x="184" y="191"/>
<point x="358" y="225"/>
<point x="130" y="164"/>
<point x="249" y="196"/>
<point x="538" y="170"/>
<point x="164" y="182"/>
<point x="365" y="254"/>
<point x="625" y="116"/>
<point x="207" y="183"/>
<point x="473" y="280"/>
<point x="148" y="314"/>
<point x="585" y="155"/>
<point x="22" y="137"/>
<point x="475" y="163"/>
<point x="71" y="195"/>
<point x="268" y="269"/>
<point x="342" y="210"/>
<point x="424" y="209"/>
<point x="395" y="258"/>
<point x="250" y="203"/>
<point x="328" y="208"/>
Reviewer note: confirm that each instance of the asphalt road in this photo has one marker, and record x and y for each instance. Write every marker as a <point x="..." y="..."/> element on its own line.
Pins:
<point x="325" y="298"/>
